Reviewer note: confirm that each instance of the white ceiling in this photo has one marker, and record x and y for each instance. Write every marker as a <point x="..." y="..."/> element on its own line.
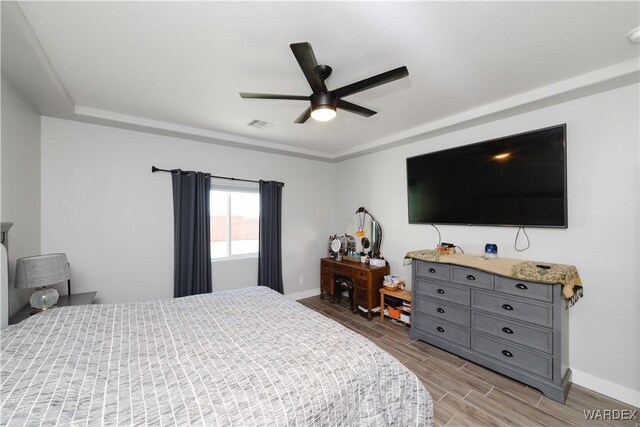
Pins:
<point x="177" y="67"/>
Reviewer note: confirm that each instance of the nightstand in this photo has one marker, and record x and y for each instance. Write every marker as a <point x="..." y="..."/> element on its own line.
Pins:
<point x="64" y="301"/>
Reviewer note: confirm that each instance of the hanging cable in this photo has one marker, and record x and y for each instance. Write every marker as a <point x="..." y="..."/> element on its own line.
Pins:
<point x="439" y="236"/>
<point x="515" y="243"/>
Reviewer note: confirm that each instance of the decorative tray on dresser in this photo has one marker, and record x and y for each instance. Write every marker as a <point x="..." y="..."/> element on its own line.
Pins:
<point x="512" y="326"/>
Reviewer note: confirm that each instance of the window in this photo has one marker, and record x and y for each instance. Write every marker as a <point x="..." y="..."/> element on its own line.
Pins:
<point x="235" y="214"/>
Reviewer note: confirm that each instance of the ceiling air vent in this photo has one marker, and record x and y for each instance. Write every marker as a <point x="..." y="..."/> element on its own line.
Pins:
<point x="260" y="124"/>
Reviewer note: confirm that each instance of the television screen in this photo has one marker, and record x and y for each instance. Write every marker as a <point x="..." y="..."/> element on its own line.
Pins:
<point x="519" y="180"/>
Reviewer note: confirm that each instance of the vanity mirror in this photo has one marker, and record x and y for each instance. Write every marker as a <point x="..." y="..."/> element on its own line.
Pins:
<point x="366" y="231"/>
<point x="341" y="245"/>
<point x="335" y="248"/>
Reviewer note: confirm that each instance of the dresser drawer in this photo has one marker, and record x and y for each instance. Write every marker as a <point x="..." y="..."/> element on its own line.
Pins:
<point x="471" y="277"/>
<point x="361" y="296"/>
<point x="342" y="270"/>
<point x="360" y="274"/>
<point x="513" y="354"/>
<point x="539" y="291"/>
<point x="325" y="265"/>
<point x="433" y="270"/>
<point x="444" y="330"/>
<point x="443" y="291"/>
<point x="451" y="313"/>
<point x="361" y="284"/>
<point x="325" y="279"/>
<point x="515" y="308"/>
<point x="527" y="335"/>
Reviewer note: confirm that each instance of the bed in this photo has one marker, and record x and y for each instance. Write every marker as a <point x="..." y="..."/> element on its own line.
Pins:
<point x="238" y="358"/>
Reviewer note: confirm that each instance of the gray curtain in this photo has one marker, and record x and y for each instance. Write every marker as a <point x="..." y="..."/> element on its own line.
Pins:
<point x="270" y="254"/>
<point x="192" y="231"/>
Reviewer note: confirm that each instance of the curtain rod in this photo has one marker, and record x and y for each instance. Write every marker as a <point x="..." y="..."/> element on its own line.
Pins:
<point x="155" y="169"/>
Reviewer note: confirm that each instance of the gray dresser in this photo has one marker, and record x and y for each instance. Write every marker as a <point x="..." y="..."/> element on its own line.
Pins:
<point x="511" y="326"/>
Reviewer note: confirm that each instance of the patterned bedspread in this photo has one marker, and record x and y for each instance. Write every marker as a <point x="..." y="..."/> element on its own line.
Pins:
<point x="237" y="358"/>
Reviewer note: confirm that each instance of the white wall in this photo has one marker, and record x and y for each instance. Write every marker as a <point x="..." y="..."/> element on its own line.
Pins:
<point x="237" y="273"/>
<point x="602" y="238"/>
<point x="20" y="183"/>
<point x="103" y="207"/>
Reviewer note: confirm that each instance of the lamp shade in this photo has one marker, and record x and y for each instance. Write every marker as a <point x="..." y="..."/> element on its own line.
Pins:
<point x="42" y="270"/>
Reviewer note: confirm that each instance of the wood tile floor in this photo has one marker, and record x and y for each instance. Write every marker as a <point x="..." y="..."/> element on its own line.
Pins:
<point x="466" y="394"/>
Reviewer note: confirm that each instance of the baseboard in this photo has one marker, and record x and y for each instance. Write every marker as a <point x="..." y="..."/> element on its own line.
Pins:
<point x="303" y="294"/>
<point x="613" y="390"/>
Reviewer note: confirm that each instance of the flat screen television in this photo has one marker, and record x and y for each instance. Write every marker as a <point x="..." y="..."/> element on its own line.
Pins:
<point x="518" y="180"/>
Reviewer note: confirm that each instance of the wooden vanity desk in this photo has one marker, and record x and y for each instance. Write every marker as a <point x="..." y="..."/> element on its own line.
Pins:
<point x="367" y="281"/>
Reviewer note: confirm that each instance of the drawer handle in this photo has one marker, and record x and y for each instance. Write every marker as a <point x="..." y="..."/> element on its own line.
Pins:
<point x="507" y="353"/>
<point x="440" y="291"/>
<point x="507" y="307"/>
<point x="440" y="310"/>
<point x="471" y="277"/>
<point x="432" y="270"/>
<point x="440" y="329"/>
<point x="521" y="286"/>
<point x="507" y="330"/>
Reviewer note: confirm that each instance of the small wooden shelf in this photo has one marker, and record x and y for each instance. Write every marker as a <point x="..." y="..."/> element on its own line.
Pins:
<point x="402" y="294"/>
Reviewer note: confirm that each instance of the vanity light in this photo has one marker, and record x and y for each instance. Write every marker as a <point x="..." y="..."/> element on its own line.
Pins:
<point x="501" y="156"/>
<point x="323" y="113"/>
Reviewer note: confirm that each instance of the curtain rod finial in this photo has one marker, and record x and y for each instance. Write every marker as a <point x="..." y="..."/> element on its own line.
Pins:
<point x="154" y="169"/>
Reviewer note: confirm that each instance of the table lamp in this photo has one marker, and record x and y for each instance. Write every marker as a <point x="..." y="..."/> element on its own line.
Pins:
<point x="39" y="272"/>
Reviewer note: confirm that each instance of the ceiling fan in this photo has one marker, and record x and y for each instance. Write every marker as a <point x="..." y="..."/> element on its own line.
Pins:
<point x="323" y="101"/>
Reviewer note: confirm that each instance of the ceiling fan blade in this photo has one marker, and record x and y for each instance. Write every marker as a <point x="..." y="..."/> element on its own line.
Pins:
<point x="307" y="61"/>
<point x="372" y="82"/>
<point x="344" y="105"/>
<point x="304" y="116"/>
<point x="272" y="96"/>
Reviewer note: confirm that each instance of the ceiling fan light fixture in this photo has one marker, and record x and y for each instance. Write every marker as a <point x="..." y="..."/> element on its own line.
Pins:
<point x="324" y="102"/>
<point x="323" y="106"/>
<point x="323" y="113"/>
